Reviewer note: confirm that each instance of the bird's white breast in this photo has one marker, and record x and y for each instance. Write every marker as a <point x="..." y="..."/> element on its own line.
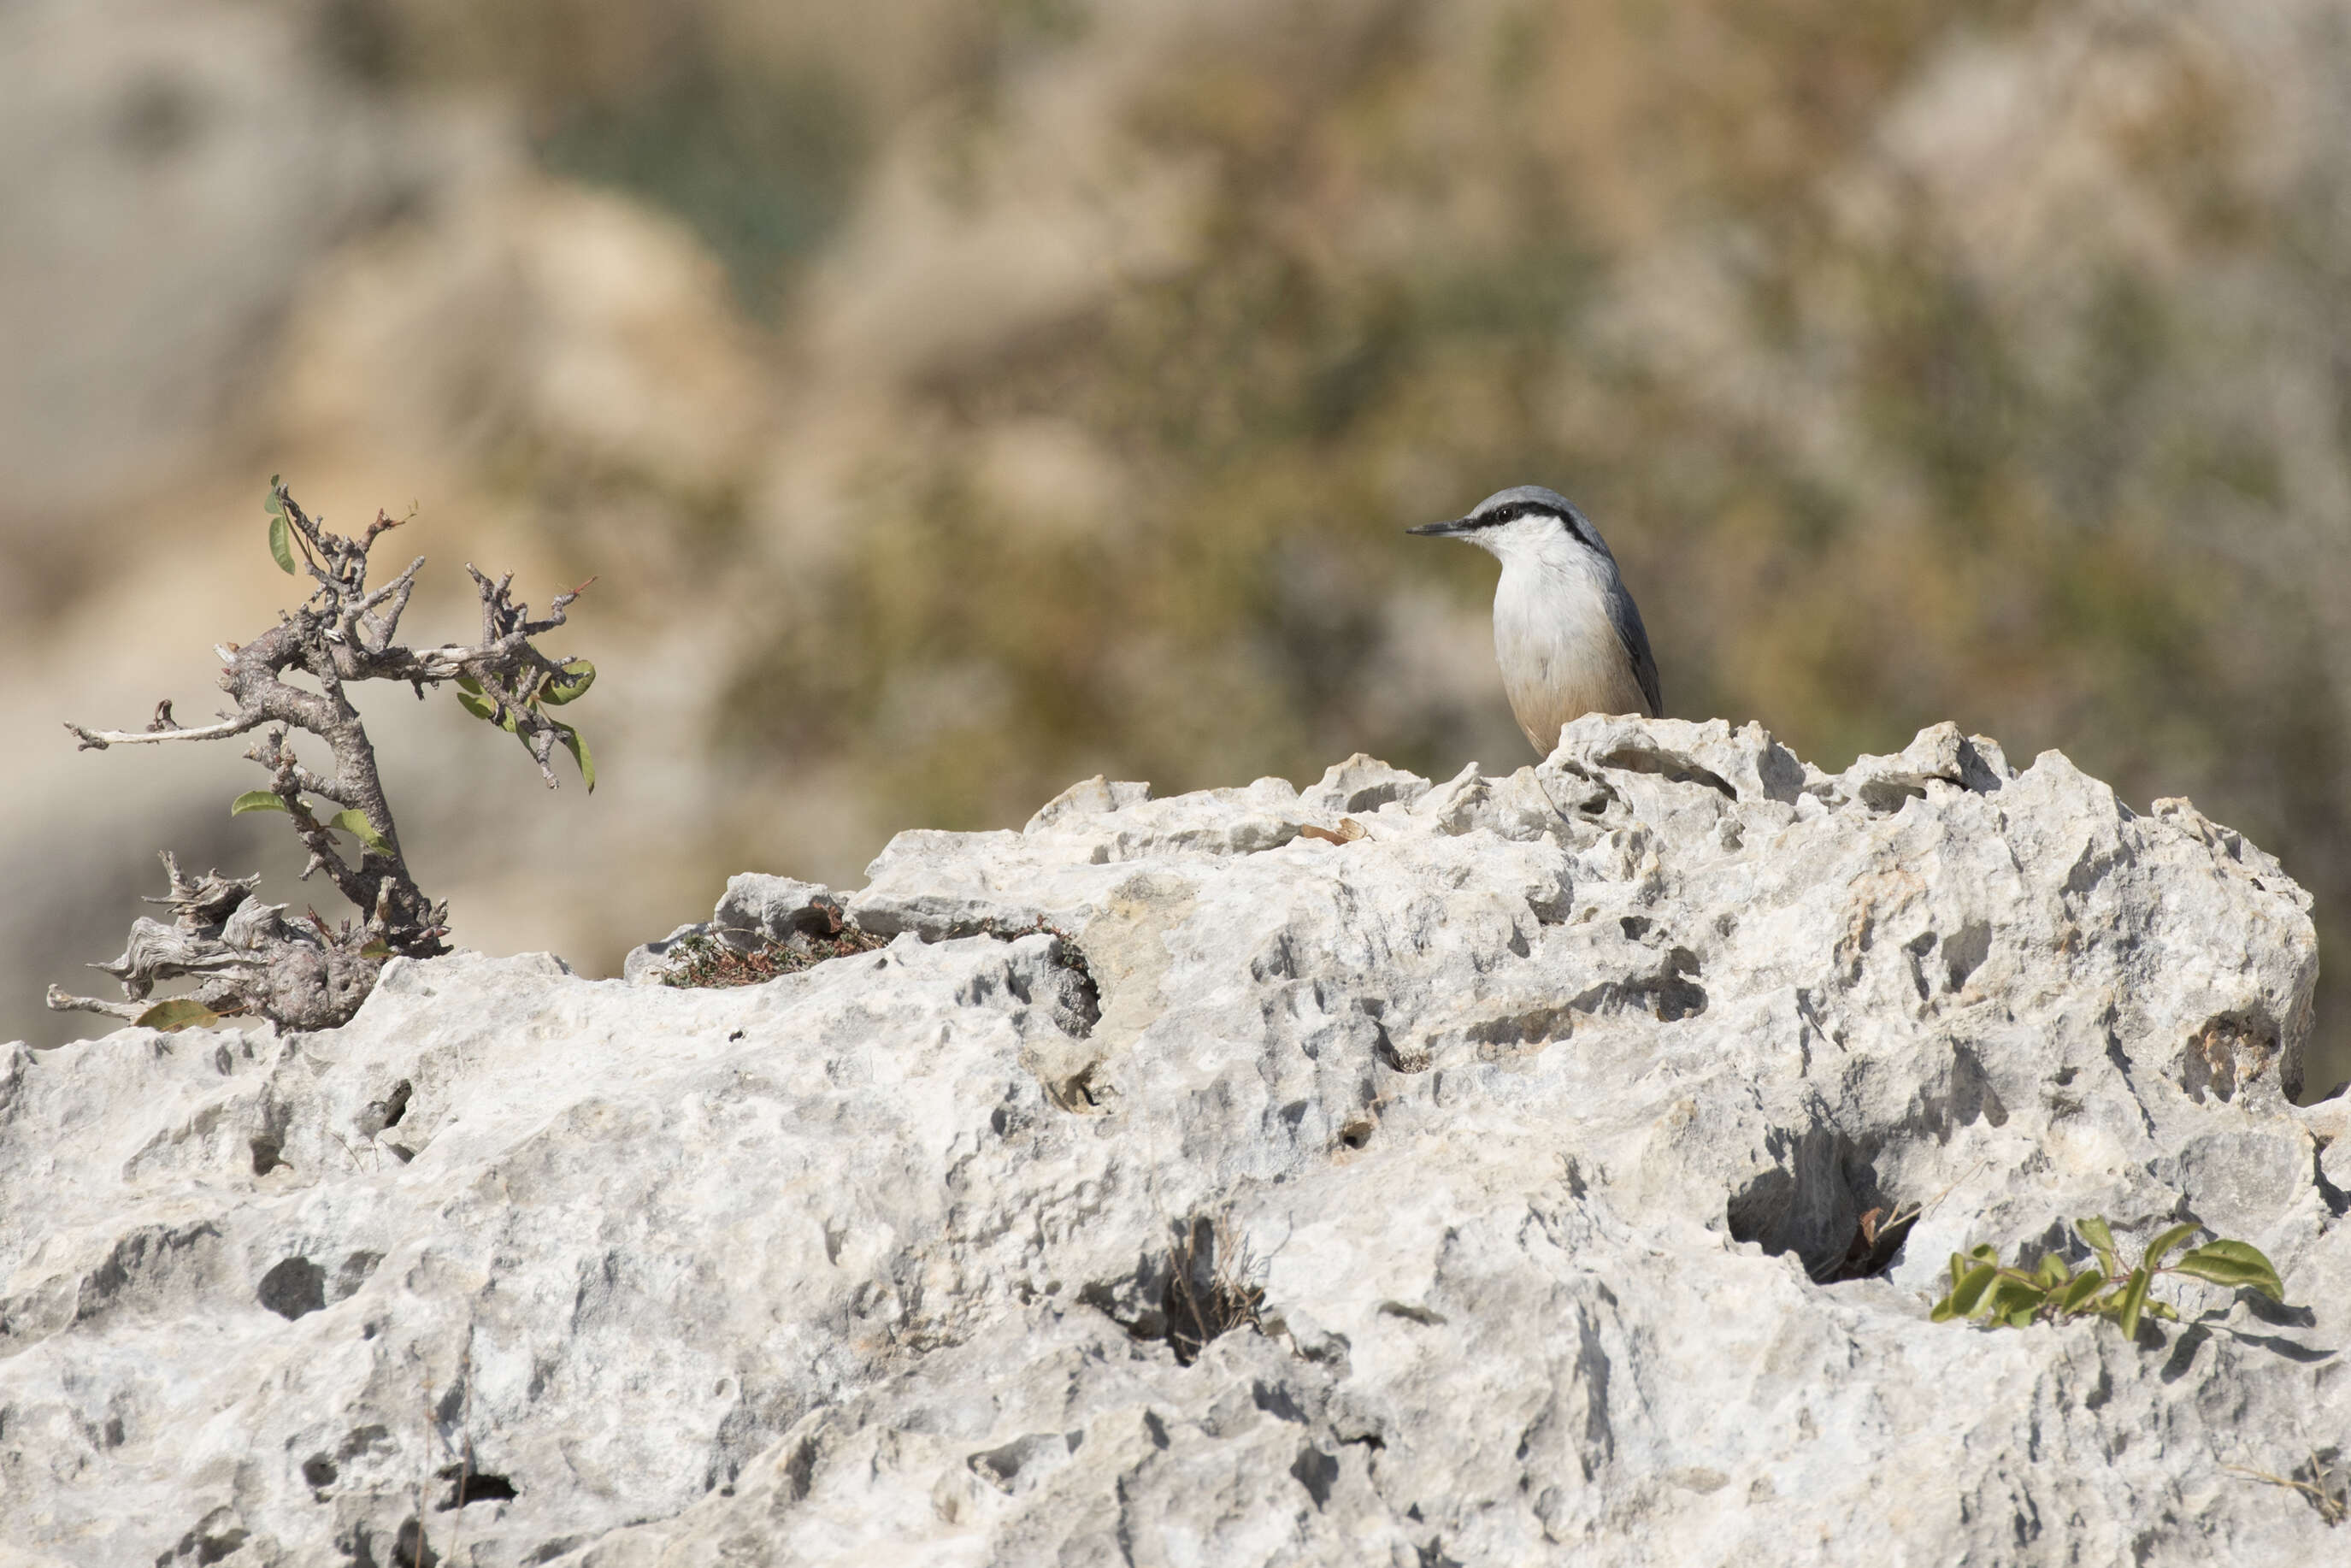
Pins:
<point x="1559" y="653"/>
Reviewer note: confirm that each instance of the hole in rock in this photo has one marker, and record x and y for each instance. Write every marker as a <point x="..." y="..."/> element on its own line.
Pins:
<point x="1081" y="1090"/>
<point x="265" y="1156"/>
<point x="295" y="1287"/>
<point x="468" y="1486"/>
<point x="1822" y="1202"/>
<point x="377" y="1114"/>
<point x="410" y="1549"/>
<point x="1357" y="1132"/>
<point x="320" y="1471"/>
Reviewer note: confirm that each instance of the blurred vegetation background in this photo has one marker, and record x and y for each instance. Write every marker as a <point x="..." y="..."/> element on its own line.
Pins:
<point x="960" y="397"/>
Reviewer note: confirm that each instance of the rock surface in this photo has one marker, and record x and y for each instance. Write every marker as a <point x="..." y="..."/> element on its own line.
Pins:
<point x="1529" y="1118"/>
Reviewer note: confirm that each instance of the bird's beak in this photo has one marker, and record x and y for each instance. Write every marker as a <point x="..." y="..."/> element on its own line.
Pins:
<point x="1438" y="530"/>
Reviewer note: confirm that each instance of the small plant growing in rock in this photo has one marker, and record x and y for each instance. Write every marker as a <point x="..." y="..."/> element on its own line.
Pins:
<point x="2325" y="1483"/>
<point x="2052" y="1291"/>
<point x="244" y="954"/>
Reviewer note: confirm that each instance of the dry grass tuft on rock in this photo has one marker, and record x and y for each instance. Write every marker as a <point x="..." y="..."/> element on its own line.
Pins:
<point x="1212" y="1288"/>
<point x="244" y="956"/>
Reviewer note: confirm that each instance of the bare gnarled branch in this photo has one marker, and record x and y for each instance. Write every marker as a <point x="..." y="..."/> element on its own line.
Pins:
<point x="244" y="956"/>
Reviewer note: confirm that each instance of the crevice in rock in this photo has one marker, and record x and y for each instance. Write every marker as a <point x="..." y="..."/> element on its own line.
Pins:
<point x="410" y="1549"/>
<point x="1665" y="764"/>
<point x="1822" y="1202"/>
<point x="2338" y="1203"/>
<point x="377" y="1114"/>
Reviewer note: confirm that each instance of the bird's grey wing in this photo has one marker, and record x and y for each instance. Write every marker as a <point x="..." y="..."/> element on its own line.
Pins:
<point x="1625" y="616"/>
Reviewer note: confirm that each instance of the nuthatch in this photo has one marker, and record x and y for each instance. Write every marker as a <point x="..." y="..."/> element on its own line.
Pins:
<point x="1566" y="634"/>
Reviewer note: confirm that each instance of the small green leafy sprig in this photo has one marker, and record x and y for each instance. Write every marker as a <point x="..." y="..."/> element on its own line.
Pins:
<point x="2052" y="1291"/>
<point x="568" y="683"/>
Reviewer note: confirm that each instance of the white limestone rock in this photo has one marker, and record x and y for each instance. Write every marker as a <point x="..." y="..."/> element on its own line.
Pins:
<point x="1533" y="1114"/>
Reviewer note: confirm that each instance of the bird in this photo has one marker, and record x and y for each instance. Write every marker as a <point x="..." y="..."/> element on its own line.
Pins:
<point x="1566" y="633"/>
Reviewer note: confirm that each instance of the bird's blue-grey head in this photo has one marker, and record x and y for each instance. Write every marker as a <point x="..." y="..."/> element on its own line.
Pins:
<point x="1523" y="520"/>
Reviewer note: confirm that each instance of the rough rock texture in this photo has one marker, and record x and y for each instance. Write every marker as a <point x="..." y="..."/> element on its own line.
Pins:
<point x="1532" y="1112"/>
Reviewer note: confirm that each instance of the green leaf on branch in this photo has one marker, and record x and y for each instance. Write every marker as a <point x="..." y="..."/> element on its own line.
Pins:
<point x="257" y="801"/>
<point x="354" y="822"/>
<point x="2014" y="1301"/>
<point x="2053" y="1273"/>
<point x="576" y="744"/>
<point x="178" y="1013"/>
<point x="281" y="530"/>
<point x="2131" y="1302"/>
<point x="2077" y="1295"/>
<point x="375" y="949"/>
<point x="2232" y="1263"/>
<point x="470" y="697"/>
<point x="1970" y="1289"/>
<point x="2093" y="1230"/>
<point x="2166" y="1242"/>
<point x="569" y="685"/>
